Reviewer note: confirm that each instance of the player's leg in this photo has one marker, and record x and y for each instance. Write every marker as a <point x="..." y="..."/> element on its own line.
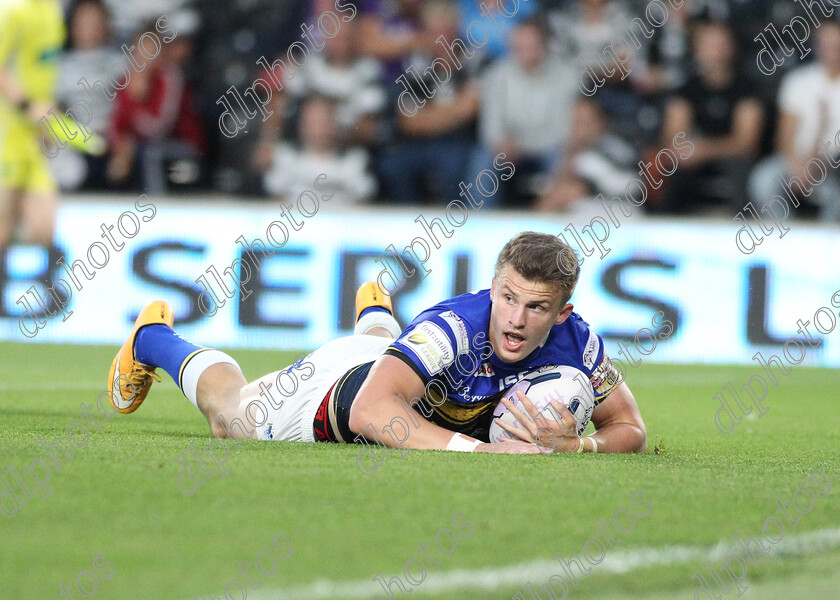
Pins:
<point x="39" y="204"/>
<point x="38" y="213"/>
<point x="285" y="405"/>
<point x="7" y="215"/>
<point x="375" y="313"/>
<point x="293" y="404"/>
<point x="218" y="398"/>
<point x="12" y="184"/>
<point x="235" y="409"/>
<point x="214" y="383"/>
<point x="210" y="379"/>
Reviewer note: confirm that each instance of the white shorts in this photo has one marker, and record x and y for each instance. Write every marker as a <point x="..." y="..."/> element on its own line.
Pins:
<point x="292" y="421"/>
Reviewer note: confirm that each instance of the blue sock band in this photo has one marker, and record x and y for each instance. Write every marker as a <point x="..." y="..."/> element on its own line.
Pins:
<point x="158" y="346"/>
<point x="374" y="309"/>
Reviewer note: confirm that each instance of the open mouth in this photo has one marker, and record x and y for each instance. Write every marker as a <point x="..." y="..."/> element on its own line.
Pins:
<point x="513" y="341"/>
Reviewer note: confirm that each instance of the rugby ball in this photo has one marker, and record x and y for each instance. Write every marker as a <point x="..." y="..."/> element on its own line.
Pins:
<point x="562" y="383"/>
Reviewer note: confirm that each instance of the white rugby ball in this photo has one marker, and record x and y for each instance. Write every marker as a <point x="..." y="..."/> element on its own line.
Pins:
<point x="562" y="383"/>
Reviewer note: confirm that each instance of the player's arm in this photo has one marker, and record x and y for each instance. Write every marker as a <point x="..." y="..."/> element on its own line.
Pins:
<point x="378" y="404"/>
<point x="618" y="424"/>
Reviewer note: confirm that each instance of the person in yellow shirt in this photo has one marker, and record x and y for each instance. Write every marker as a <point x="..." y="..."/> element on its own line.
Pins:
<point x="31" y="36"/>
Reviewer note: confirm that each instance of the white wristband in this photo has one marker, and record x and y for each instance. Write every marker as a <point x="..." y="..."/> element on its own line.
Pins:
<point x="458" y="444"/>
<point x="594" y="445"/>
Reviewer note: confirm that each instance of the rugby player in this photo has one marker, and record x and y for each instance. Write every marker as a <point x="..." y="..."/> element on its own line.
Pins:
<point x="445" y="372"/>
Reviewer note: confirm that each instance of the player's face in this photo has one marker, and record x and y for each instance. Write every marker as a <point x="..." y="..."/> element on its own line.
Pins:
<point x="522" y="314"/>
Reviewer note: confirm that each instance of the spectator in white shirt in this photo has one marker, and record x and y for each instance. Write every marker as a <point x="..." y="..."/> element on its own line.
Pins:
<point x="526" y="104"/>
<point x="808" y="128"/>
<point x="294" y="169"/>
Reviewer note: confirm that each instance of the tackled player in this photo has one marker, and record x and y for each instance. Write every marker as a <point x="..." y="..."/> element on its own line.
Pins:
<point x="524" y="322"/>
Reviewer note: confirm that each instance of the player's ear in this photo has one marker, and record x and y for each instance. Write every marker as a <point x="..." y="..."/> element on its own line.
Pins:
<point x="564" y="314"/>
<point x="493" y="289"/>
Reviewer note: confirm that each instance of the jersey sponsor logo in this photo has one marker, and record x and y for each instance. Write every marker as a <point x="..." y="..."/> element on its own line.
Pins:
<point x="459" y="329"/>
<point x="529" y="373"/>
<point x="590" y="353"/>
<point x="485" y="370"/>
<point x="432" y="347"/>
<point x="475" y="397"/>
<point x="511" y="379"/>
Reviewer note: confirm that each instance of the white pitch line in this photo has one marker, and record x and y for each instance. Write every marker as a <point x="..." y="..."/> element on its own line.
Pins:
<point x="492" y="578"/>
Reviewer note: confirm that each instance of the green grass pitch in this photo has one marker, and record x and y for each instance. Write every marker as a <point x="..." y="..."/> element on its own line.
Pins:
<point x="118" y="494"/>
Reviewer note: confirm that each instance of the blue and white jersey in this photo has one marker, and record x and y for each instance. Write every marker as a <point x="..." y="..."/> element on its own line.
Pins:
<point x="448" y="347"/>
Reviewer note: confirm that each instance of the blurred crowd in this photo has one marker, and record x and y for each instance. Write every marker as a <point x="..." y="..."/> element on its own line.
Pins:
<point x="518" y="94"/>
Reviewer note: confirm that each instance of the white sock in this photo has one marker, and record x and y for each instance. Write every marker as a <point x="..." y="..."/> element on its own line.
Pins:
<point x="377" y="318"/>
<point x="200" y="362"/>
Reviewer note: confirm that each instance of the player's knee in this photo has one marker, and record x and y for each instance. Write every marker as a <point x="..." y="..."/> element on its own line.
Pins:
<point x="220" y="383"/>
<point x="221" y="406"/>
<point x="218" y="430"/>
<point x="235" y="428"/>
